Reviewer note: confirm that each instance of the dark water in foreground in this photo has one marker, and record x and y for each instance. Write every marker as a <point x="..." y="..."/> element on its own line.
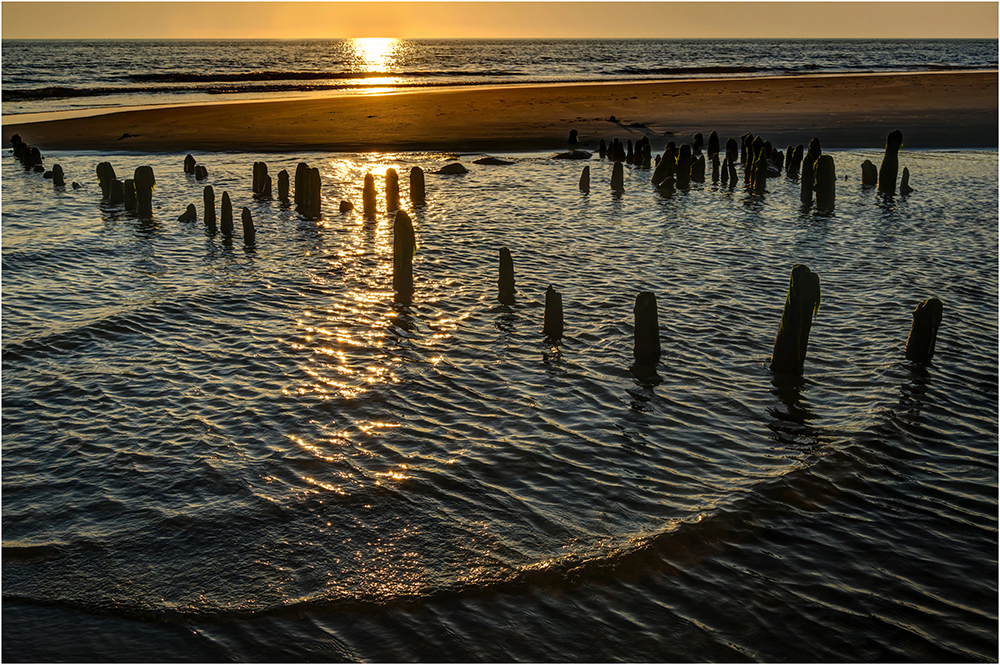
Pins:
<point x="215" y="453"/>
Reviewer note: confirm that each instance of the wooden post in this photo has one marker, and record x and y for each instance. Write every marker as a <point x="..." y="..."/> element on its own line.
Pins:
<point x="890" y="163"/>
<point x="117" y="194"/>
<point x="301" y="178"/>
<point x="904" y="182"/>
<point x="227" y="215"/>
<point x="801" y="305"/>
<point x="105" y="176"/>
<point x="128" y="194"/>
<point x="404" y="246"/>
<point x="144" y="183"/>
<point x="417" y="189"/>
<point x="391" y="190"/>
<point x="552" y="328"/>
<point x="826" y="182"/>
<point x="618" y="177"/>
<point x="209" y="197"/>
<point x="646" y="346"/>
<point x="683" y="172"/>
<point x="368" y="200"/>
<point x="189" y="163"/>
<point x="283" y="185"/>
<point x="923" y="332"/>
<point x="249" y="233"/>
<point x="59" y="178"/>
<point x="506" y="281"/>
<point x="315" y="199"/>
<point x="585" y="179"/>
<point x="189" y="215"/>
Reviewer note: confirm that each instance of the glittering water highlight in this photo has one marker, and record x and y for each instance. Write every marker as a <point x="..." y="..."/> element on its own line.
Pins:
<point x="218" y="452"/>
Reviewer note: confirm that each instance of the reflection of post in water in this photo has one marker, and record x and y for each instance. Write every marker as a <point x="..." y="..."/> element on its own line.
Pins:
<point x="801" y="304"/>
<point x="791" y="425"/>
<point x="404" y="246"/>
<point x="923" y="332"/>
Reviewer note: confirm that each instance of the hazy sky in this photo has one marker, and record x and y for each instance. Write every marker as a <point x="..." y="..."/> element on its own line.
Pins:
<point x="292" y="20"/>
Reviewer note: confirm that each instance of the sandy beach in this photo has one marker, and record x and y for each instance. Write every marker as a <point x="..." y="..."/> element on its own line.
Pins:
<point x="936" y="110"/>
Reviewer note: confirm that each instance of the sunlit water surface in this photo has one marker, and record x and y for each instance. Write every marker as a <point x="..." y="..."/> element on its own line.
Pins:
<point x="212" y="452"/>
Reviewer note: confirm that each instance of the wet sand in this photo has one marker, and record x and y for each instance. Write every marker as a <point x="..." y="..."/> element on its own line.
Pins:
<point x="938" y="110"/>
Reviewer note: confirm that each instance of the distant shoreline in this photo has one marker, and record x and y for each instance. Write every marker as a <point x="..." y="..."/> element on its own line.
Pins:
<point x="954" y="109"/>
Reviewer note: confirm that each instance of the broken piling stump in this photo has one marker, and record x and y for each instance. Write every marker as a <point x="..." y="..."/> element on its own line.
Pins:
<point x="923" y="331"/>
<point x="226" y="222"/>
<point x="552" y="326"/>
<point x="249" y="232"/>
<point x="801" y="304"/>
<point x="890" y="163"/>
<point x="391" y="190"/>
<point x="417" y="189"/>
<point x="404" y="246"/>
<point x="585" y="179"/>
<point x="209" y="198"/>
<point x="506" y="289"/>
<point x="646" y="343"/>
<point x="144" y="183"/>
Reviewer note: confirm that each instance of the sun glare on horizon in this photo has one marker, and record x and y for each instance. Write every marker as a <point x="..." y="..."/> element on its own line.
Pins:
<point x="375" y="53"/>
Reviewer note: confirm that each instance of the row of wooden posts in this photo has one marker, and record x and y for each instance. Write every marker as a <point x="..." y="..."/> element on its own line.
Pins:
<point x="677" y="167"/>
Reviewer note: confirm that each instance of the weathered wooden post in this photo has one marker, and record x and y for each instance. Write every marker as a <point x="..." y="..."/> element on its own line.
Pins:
<point x="801" y="305"/>
<point x="618" y="177"/>
<point x="713" y="143"/>
<point x="129" y="196"/>
<point x="665" y="168"/>
<point x="209" y="198"/>
<point x="682" y="174"/>
<point x="249" y="232"/>
<point x="715" y="168"/>
<point x="404" y="246"/>
<point x="646" y="346"/>
<point x="890" y="163"/>
<point x="417" y="189"/>
<point x="602" y="149"/>
<point x="585" y="179"/>
<point x="261" y="181"/>
<point x="117" y="194"/>
<point x="283" y="185"/>
<point x="698" y="168"/>
<point x="628" y="152"/>
<point x="869" y="174"/>
<point x="59" y="178"/>
<point x="808" y="182"/>
<point x="552" y="327"/>
<point x="795" y="164"/>
<point x="144" y="183"/>
<point x="35" y="160"/>
<point x="904" y="182"/>
<point x="368" y="200"/>
<point x="200" y="172"/>
<point x="105" y="176"/>
<point x="189" y="164"/>
<point x="189" y="215"/>
<point x="301" y="180"/>
<point x="226" y="223"/>
<point x="826" y="182"/>
<point x="923" y="332"/>
<point x="506" y="281"/>
<point x="391" y="190"/>
<point x="315" y="199"/>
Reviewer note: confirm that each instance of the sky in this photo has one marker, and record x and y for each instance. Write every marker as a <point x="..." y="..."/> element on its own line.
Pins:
<point x="309" y="20"/>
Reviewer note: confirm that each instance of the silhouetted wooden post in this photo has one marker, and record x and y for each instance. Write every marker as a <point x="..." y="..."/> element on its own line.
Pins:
<point x="647" y="153"/>
<point x="105" y="176"/>
<point x="315" y="199"/>
<point x="283" y="185"/>
<point x="808" y="182"/>
<point x="249" y="232"/>
<point x="59" y="178"/>
<point x="904" y="182"/>
<point x="506" y="281"/>
<point x="226" y="223"/>
<point x="890" y="163"/>
<point x="128" y="195"/>
<point x="618" y="177"/>
<point x="602" y="149"/>
<point x="404" y="246"/>
<point x="713" y="144"/>
<point x="368" y="200"/>
<point x="417" y="189"/>
<point x="585" y="179"/>
<point x="301" y="180"/>
<point x="391" y="190"/>
<point x="665" y="168"/>
<point x="826" y="182"/>
<point x="801" y="305"/>
<point x="552" y="327"/>
<point x="117" y="194"/>
<point x="682" y="174"/>
<point x="35" y="160"/>
<point x="869" y="174"/>
<point x="189" y="163"/>
<point x="189" y="215"/>
<point x="646" y="347"/>
<point x="698" y="169"/>
<point x="200" y="172"/>
<point x="209" y="197"/>
<point x="144" y="183"/>
<point x="715" y="168"/>
<point x="923" y="332"/>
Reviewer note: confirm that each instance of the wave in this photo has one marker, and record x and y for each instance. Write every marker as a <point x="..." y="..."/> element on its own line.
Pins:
<point x="214" y="77"/>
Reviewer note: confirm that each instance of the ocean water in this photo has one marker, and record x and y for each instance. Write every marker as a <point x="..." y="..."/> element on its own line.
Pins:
<point x="51" y="75"/>
<point x="217" y="452"/>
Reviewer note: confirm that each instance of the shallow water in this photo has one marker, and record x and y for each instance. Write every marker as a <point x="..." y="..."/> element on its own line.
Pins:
<point x="217" y="452"/>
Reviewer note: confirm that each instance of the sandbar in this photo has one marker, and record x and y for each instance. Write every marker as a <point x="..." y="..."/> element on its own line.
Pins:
<point x="946" y="110"/>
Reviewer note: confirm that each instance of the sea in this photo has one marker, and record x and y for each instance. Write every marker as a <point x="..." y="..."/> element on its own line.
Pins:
<point x="218" y="451"/>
